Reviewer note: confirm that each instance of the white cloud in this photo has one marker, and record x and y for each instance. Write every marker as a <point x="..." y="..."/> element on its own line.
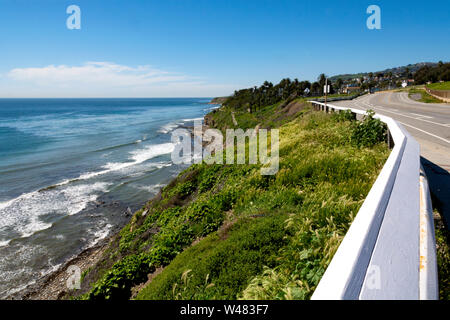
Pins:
<point x="105" y="79"/>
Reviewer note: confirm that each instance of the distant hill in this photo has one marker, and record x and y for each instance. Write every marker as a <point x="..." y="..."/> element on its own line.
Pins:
<point x="218" y="100"/>
<point x="397" y="70"/>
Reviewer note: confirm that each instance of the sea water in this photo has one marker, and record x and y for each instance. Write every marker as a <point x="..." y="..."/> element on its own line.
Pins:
<point x="70" y="169"/>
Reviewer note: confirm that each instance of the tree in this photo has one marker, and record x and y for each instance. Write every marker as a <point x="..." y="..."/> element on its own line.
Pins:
<point x="339" y="84"/>
<point x="322" y="79"/>
<point x="315" y="88"/>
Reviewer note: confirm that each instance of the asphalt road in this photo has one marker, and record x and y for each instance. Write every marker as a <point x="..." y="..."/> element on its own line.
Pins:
<point x="429" y="124"/>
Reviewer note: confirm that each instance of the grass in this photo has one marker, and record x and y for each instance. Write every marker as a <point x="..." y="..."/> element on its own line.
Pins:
<point x="425" y="97"/>
<point x="439" y="86"/>
<point x="220" y="265"/>
<point x="443" y="256"/>
<point x="272" y="116"/>
<point x="227" y="232"/>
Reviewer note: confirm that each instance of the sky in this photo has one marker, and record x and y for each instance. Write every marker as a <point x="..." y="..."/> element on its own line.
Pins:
<point x="206" y="48"/>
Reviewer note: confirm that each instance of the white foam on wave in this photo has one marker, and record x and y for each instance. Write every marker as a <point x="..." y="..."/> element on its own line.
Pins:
<point x="151" y="151"/>
<point x="100" y="234"/>
<point x="4" y="243"/>
<point x="16" y="268"/>
<point x="23" y="214"/>
<point x="193" y="119"/>
<point x="151" y="188"/>
<point x="168" y="127"/>
<point x="137" y="157"/>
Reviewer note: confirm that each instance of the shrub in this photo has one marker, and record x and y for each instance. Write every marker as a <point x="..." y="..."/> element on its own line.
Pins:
<point x="345" y="115"/>
<point x="117" y="283"/>
<point x="369" y="132"/>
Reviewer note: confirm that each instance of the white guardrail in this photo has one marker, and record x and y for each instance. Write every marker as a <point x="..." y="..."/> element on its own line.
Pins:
<point x="389" y="251"/>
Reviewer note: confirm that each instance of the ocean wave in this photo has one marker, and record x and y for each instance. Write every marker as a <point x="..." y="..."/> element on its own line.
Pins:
<point x="152" y="151"/>
<point x="4" y="243"/>
<point x="13" y="271"/>
<point x="137" y="157"/>
<point x="168" y="127"/>
<point x="23" y="215"/>
<point x="193" y="119"/>
<point x="153" y="189"/>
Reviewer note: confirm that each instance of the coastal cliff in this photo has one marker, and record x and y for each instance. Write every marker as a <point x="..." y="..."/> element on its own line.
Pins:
<point x="227" y="232"/>
<point x="218" y="100"/>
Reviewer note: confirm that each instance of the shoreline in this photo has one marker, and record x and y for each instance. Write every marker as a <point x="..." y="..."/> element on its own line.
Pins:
<point x="53" y="286"/>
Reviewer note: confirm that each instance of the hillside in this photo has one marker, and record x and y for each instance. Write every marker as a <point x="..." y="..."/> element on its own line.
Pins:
<point x="218" y="100"/>
<point x="439" y="86"/>
<point x="227" y="232"/>
<point x="395" y="71"/>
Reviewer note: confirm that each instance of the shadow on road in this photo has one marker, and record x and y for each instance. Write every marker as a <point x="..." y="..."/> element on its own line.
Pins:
<point x="439" y="182"/>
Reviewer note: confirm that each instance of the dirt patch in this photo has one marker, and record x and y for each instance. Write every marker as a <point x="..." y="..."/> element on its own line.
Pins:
<point x="225" y="228"/>
<point x="294" y="107"/>
<point x="416" y="96"/>
<point x="290" y="109"/>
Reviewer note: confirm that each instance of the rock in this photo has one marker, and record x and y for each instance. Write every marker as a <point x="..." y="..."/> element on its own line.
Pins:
<point x="128" y="212"/>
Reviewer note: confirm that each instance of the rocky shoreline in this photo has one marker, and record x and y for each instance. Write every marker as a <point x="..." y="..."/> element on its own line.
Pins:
<point x="53" y="286"/>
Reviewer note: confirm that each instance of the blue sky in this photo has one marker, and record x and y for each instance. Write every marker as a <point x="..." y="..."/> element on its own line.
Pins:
<point x="205" y="47"/>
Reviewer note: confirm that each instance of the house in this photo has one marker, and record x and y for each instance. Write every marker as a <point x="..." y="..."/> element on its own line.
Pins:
<point x="350" y="88"/>
<point x="408" y="82"/>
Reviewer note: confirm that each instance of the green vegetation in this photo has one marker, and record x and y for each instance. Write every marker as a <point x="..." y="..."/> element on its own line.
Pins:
<point x="221" y="264"/>
<point x="443" y="256"/>
<point x="369" y="131"/>
<point x="218" y="100"/>
<point x="425" y="97"/>
<point x="256" y="98"/>
<point x="269" y="117"/>
<point x="440" y="72"/>
<point x="282" y="231"/>
<point x="439" y="86"/>
<point x="227" y="232"/>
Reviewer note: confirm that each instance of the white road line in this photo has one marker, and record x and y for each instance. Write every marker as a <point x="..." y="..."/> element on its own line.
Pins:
<point x="433" y="135"/>
<point x="420" y="119"/>
<point x="421" y="115"/>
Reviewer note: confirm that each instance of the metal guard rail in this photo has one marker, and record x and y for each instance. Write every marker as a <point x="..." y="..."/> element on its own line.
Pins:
<point x="389" y="251"/>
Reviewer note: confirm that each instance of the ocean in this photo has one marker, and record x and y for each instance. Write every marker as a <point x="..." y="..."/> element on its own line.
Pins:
<point x="70" y="169"/>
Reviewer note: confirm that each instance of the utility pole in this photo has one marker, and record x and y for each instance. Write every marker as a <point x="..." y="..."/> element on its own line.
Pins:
<point x="326" y="93"/>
